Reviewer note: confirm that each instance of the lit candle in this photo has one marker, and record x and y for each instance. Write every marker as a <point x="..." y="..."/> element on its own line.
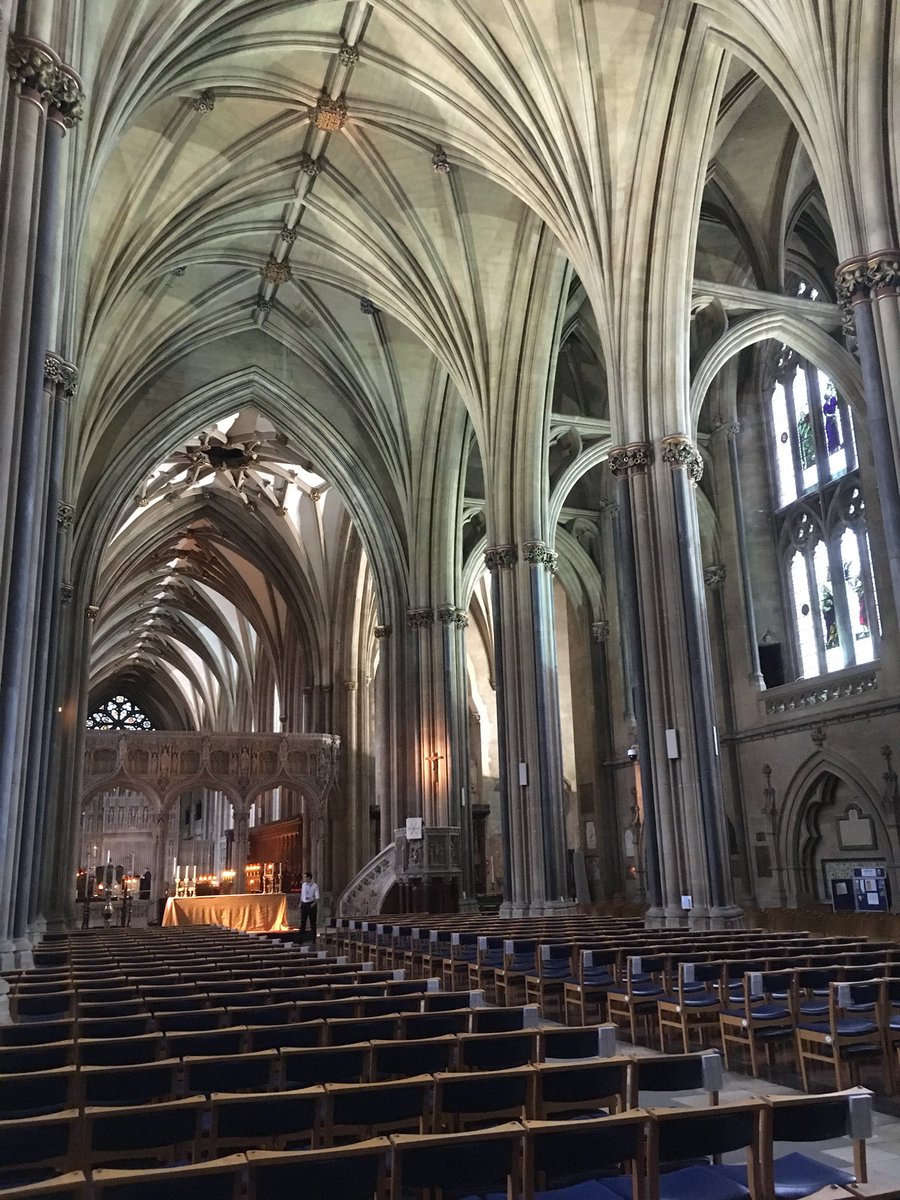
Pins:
<point x="177" y="874"/>
<point x="108" y="857"/>
<point x="175" y="867"/>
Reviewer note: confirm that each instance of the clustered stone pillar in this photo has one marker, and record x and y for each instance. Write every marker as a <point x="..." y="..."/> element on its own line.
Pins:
<point x="664" y="612"/>
<point x="531" y="780"/>
<point x="45" y="100"/>
<point x="868" y="290"/>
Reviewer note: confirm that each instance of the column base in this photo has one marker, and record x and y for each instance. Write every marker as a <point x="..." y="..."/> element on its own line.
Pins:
<point x="7" y="957"/>
<point x="24" y="954"/>
<point x="554" y="908"/>
<point x="468" y="904"/>
<point x="509" y="909"/>
<point x="730" y="916"/>
<point x="37" y="929"/>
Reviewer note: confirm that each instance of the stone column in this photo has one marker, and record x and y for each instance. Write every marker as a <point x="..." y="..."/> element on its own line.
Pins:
<point x="453" y="624"/>
<point x="868" y="290"/>
<point x="624" y="462"/>
<point x="384" y="791"/>
<point x="241" y="848"/>
<point x="531" y="785"/>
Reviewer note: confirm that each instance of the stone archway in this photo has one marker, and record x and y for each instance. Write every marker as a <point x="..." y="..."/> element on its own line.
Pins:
<point x="831" y="823"/>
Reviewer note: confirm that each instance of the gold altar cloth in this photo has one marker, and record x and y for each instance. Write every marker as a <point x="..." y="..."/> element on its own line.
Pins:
<point x="253" y="913"/>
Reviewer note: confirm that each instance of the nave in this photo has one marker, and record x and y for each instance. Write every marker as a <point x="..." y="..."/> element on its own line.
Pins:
<point x="398" y="1059"/>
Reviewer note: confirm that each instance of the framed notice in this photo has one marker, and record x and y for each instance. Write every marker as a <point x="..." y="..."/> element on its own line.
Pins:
<point x="414" y="829"/>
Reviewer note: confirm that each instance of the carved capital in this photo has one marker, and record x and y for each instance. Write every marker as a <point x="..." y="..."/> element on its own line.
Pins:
<point x="67" y="96"/>
<point x="729" y="428"/>
<point x="367" y="307"/>
<point x="275" y="270"/>
<point x="65" y="514"/>
<point x="499" y="557"/>
<point x="600" y="631"/>
<point x="419" y="618"/>
<point x="440" y="162"/>
<point x="92" y="612"/>
<point x="205" y="102"/>
<point x="449" y="614"/>
<point x="66" y="593"/>
<point x="62" y="373"/>
<point x="329" y="115"/>
<point x="857" y="278"/>
<point x="32" y="64"/>
<point x="383" y="631"/>
<point x="635" y="457"/>
<point x="351" y="685"/>
<point x="714" y="575"/>
<point x="679" y="451"/>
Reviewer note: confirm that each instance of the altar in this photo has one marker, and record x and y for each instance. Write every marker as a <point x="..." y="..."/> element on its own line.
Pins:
<point x="250" y="912"/>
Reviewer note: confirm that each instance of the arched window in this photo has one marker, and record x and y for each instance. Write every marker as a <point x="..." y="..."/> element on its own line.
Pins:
<point x="821" y="522"/>
<point x="118" y="713"/>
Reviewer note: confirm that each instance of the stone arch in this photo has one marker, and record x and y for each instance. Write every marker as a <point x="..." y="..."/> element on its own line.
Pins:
<point x="121" y="781"/>
<point x="208" y="782"/>
<point x="801" y="335"/>
<point x="823" y="781"/>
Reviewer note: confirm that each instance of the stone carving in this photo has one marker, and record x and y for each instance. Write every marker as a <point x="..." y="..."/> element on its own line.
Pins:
<point x="62" y="373"/>
<point x="680" y="451"/>
<point x="177" y="272"/>
<point x="419" y="618"/>
<point x="498" y="557"/>
<point x="383" y="631"/>
<point x="66" y="593"/>
<point x="449" y="614"/>
<point x="600" y="631"/>
<point x="67" y="96"/>
<point x="440" y="161"/>
<point x="264" y="306"/>
<point x="891" y="795"/>
<point x="31" y="64"/>
<point x="65" y="514"/>
<point x="821" y="693"/>
<point x="309" y="165"/>
<point x="289" y="234"/>
<point x="348" y="55"/>
<point x="633" y="457"/>
<point x="538" y="553"/>
<point x="276" y="270"/>
<point x="714" y="575"/>
<point x="857" y="278"/>
<point x="205" y="102"/>
<point x="92" y="612"/>
<point x="819" y="735"/>
<point x="367" y="307"/>
<point x="329" y="115"/>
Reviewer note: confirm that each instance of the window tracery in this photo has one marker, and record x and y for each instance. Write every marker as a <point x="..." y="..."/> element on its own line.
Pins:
<point x="821" y="519"/>
<point x="119" y="713"/>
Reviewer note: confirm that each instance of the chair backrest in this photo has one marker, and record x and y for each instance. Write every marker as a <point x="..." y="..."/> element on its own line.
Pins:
<point x="463" y="1098"/>
<point x="134" y="1083"/>
<point x="578" y="1041"/>
<point x="479" y="1161"/>
<point x="163" y="1132"/>
<point x="33" y="1093"/>
<point x="581" y="1088"/>
<point x="505" y="1020"/>
<point x="231" y="1073"/>
<point x="219" y="1180"/>
<point x="683" y="1135"/>
<point x="560" y="1153"/>
<point x="256" y="1122"/>
<point x="819" y="1119"/>
<point x="355" y="1172"/>
<point x="395" y="1059"/>
<point x="327" y="1064"/>
<point x="676" y="1073"/>
<point x="119" y="1051"/>
<point x="497" y="1051"/>
<point x="370" y="1109"/>
<point x="297" y="1033"/>
<point x="48" y="1141"/>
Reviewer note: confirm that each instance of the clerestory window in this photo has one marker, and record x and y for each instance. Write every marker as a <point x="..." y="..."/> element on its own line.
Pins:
<point x="118" y="713"/>
<point x="821" y="522"/>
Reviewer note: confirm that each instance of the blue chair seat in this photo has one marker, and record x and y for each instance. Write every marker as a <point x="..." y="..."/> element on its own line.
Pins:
<point x="894" y="1022"/>
<point x="704" y="1001"/>
<point x="796" y="1175"/>
<point x="701" y="1183"/>
<point x="814" y="1008"/>
<point x="762" y="1012"/>
<point x="645" y="991"/>
<point x="598" y="978"/>
<point x="590" y="1189"/>
<point x="851" y="1027"/>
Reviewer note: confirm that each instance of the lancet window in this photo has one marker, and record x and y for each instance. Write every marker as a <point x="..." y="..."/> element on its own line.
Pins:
<point x="821" y="522"/>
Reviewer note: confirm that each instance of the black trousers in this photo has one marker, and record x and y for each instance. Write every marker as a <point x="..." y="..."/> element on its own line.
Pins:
<point x="308" y="913"/>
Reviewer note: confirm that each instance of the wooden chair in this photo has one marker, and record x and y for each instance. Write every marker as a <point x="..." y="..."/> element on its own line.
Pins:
<point x="355" y="1111"/>
<point x="467" y="1100"/>
<point x="586" y="1089"/>
<point x="585" y="996"/>
<point x="477" y="1162"/>
<point x="560" y="1154"/>
<point x="635" y="1000"/>
<point x="270" y="1121"/>
<point x="848" y="1036"/>
<point x="218" y="1180"/>
<point x="355" y="1172"/>
<point x="679" y="1135"/>
<point x="760" y="1021"/>
<point x="695" y="1005"/>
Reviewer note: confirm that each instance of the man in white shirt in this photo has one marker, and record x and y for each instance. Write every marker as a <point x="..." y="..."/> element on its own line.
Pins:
<point x="309" y="906"/>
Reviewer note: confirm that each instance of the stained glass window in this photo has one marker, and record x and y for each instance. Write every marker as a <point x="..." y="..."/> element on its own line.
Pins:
<point x="828" y="569"/>
<point x="118" y="713"/>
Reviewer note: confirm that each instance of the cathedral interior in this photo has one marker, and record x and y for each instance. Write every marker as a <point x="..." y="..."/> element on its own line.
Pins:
<point x="451" y="448"/>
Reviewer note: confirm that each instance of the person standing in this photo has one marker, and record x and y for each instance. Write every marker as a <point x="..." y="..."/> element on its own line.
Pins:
<point x="309" y="906"/>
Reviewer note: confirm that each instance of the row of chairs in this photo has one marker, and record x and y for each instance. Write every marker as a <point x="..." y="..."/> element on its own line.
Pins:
<point x="169" y="1130"/>
<point x="38" y="1087"/>
<point x="657" y="1154"/>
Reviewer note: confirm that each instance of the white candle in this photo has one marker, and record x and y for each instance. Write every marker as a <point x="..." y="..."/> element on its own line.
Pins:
<point x="177" y="874"/>
<point x="108" y="857"/>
